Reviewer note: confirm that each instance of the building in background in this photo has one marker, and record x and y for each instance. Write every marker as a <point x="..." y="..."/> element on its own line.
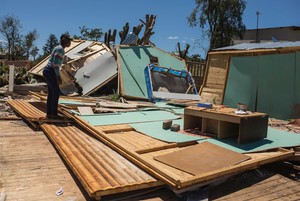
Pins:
<point x="282" y="34"/>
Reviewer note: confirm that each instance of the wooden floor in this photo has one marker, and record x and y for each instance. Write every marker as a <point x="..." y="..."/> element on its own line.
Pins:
<point x="266" y="184"/>
<point x="30" y="168"/>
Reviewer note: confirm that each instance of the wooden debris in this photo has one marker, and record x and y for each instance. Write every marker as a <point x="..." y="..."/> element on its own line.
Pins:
<point x="175" y="127"/>
<point x="85" y="110"/>
<point x="167" y="124"/>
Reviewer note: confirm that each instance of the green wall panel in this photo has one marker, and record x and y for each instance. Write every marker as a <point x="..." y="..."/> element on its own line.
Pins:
<point x="133" y="61"/>
<point x="296" y="113"/>
<point x="129" y="117"/>
<point x="155" y="130"/>
<point x="242" y="82"/>
<point x="275" y="138"/>
<point x="276" y="80"/>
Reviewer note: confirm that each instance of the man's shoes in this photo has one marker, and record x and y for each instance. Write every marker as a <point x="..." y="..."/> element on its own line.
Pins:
<point x="54" y="117"/>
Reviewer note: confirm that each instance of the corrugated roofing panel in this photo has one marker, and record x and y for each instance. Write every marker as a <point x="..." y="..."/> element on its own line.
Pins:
<point x="101" y="170"/>
<point x="252" y="46"/>
<point x="28" y="110"/>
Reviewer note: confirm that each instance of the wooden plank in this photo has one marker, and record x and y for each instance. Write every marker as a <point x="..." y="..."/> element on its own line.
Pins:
<point x="201" y="158"/>
<point x="112" y="104"/>
<point x="272" y="187"/>
<point x="168" y="146"/>
<point x="247" y="185"/>
<point x="114" y="128"/>
<point x="85" y="110"/>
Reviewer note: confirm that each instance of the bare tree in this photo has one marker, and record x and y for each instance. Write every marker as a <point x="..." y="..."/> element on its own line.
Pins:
<point x="10" y="28"/>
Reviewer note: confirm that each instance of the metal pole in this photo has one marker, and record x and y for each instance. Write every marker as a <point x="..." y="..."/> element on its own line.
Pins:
<point x="257" y="17"/>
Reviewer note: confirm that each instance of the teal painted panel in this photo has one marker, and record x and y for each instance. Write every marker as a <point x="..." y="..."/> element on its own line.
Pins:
<point x="128" y="117"/>
<point x="242" y="82"/>
<point x="155" y="130"/>
<point x="296" y="111"/>
<point x="276" y="138"/>
<point x="172" y="108"/>
<point x="69" y="102"/>
<point x="276" y="85"/>
<point x="133" y="61"/>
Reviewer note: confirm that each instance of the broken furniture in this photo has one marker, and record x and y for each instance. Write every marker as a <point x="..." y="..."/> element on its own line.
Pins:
<point x="225" y="123"/>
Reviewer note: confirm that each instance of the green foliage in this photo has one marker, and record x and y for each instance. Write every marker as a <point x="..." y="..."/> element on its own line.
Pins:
<point x="21" y="76"/>
<point x="115" y="96"/>
<point x="50" y="44"/>
<point x="4" y="75"/>
<point x="29" y="42"/>
<point x="34" y="52"/>
<point x="90" y="34"/>
<point x="222" y="17"/>
<point x="4" y="70"/>
<point x="195" y="57"/>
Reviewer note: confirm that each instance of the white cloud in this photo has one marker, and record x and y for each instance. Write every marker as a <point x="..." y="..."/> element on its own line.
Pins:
<point x="173" y="37"/>
<point x="2" y="41"/>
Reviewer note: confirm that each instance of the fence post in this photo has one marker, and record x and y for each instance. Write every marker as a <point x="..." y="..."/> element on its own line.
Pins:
<point x="11" y="78"/>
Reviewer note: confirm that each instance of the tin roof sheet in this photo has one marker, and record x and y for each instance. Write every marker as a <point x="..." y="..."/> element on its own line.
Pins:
<point x="268" y="45"/>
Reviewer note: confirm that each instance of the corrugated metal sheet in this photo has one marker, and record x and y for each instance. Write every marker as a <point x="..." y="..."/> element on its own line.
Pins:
<point x="101" y="170"/>
<point x="29" y="110"/>
<point x="252" y="46"/>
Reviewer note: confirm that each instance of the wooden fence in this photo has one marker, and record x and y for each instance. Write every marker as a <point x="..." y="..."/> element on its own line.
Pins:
<point x="197" y="69"/>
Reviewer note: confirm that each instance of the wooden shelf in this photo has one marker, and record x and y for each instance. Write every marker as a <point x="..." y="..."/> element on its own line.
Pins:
<point x="224" y="123"/>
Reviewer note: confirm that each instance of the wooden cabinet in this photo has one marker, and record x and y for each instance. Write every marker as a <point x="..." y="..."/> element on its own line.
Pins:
<point x="224" y="123"/>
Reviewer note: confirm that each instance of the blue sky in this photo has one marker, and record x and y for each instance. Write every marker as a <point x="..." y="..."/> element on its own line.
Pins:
<point x="58" y="16"/>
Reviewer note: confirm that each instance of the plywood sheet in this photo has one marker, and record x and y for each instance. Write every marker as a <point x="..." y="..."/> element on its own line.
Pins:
<point x="201" y="158"/>
<point x="85" y="110"/>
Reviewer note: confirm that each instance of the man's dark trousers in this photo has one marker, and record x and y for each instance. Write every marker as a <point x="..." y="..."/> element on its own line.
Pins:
<point x="53" y="91"/>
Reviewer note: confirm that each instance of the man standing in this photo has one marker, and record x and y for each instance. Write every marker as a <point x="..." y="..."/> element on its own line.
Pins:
<point x="52" y="76"/>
